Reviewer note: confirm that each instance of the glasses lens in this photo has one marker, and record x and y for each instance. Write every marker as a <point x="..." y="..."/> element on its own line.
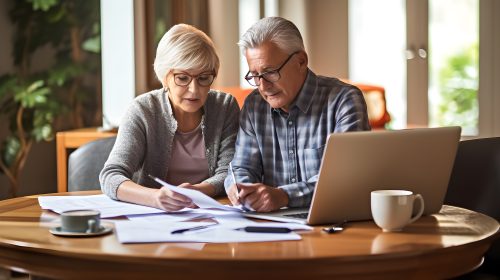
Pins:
<point x="182" y="79"/>
<point x="271" y="76"/>
<point x="205" y="80"/>
<point x="252" y="80"/>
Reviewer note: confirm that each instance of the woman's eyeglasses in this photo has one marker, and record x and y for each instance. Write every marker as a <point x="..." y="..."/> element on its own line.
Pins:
<point x="203" y="79"/>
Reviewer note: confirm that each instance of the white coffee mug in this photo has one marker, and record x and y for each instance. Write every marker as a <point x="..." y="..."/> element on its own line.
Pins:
<point x="392" y="209"/>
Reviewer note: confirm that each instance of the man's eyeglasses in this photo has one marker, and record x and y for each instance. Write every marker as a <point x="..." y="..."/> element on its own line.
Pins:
<point x="203" y="79"/>
<point x="270" y="76"/>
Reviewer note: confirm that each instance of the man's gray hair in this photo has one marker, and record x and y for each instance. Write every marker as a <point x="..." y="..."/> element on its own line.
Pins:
<point x="185" y="47"/>
<point x="282" y="32"/>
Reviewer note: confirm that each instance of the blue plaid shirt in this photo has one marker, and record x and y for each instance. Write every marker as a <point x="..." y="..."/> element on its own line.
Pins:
<point x="283" y="149"/>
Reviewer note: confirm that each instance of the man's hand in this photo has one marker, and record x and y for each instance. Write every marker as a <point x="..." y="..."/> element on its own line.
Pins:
<point x="262" y="198"/>
<point x="233" y="195"/>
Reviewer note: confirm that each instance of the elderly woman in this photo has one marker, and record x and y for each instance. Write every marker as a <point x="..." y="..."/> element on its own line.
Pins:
<point x="183" y="133"/>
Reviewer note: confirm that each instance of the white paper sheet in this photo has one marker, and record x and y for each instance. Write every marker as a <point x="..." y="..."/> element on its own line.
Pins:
<point x="170" y="217"/>
<point x="234" y="222"/>
<point x="215" y="213"/>
<point x="147" y="232"/>
<point x="107" y="206"/>
<point x="220" y="216"/>
<point x="199" y="198"/>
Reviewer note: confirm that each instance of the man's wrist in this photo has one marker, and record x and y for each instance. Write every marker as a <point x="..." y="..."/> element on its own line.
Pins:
<point x="284" y="199"/>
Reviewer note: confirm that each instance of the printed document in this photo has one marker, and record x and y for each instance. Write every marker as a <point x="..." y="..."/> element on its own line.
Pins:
<point x="138" y="231"/>
<point x="108" y="207"/>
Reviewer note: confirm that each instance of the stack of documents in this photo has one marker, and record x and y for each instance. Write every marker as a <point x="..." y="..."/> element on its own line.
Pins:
<point x="225" y="231"/>
<point x="147" y="224"/>
<point x="108" y="207"/>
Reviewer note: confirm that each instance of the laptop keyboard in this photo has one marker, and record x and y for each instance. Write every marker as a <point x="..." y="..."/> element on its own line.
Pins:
<point x="298" y="215"/>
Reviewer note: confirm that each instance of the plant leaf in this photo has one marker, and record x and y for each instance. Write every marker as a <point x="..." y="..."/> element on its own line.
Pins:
<point x="33" y="95"/>
<point x="92" y="44"/>
<point x="43" y="5"/>
<point x="11" y="147"/>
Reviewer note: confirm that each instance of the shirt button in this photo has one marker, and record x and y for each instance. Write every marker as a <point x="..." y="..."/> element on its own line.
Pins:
<point x="290" y="123"/>
<point x="208" y="150"/>
<point x="293" y="180"/>
<point x="290" y="151"/>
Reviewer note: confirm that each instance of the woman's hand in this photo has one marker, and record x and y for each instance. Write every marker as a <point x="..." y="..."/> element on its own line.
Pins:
<point x="163" y="198"/>
<point x="171" y="201"/>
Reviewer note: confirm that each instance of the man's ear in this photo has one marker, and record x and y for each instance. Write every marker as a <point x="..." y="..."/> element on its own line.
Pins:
<point x="303" y="59"/>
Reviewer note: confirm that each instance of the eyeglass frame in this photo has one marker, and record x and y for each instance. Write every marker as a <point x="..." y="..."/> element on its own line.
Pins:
<point x="191" y="77"/>
<point x="261" y="76"/>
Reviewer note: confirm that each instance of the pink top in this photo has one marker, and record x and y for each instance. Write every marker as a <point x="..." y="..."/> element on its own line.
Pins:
<point x="188" y="163"/>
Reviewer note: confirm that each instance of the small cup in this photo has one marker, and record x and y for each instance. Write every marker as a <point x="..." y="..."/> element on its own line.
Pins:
<point x="392" y="209"/>
<point x="81" y="221"/>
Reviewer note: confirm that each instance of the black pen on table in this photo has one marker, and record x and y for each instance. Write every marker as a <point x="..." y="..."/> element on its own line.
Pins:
<point x="177" y="231"/>
<point x="237" y="189"/>
<point x="266" y="229"/>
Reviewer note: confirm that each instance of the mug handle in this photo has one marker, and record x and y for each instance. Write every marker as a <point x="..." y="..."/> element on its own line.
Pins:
<point x="92" y="226"/>
<point x="420" y="211"/>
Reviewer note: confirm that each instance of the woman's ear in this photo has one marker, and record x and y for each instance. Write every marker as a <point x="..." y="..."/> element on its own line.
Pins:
<point x="164" y="82"/>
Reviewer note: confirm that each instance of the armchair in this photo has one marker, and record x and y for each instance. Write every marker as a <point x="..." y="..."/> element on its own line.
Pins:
<point x="475" y="184"/>
<point x="86" y="162"/>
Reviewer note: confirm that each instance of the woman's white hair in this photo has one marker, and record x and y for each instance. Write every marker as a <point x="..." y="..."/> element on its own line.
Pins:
<point x="282" y="32"/>
<point x="185" y="47"/>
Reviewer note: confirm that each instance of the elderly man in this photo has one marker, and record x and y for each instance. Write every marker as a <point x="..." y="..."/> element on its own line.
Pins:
<point x="285" y="122"/>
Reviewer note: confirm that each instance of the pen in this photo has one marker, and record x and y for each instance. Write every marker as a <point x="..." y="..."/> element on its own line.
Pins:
<point x="237" y="189"/>
<point x="335" y="228"/>
<point x="234" y="179"/>
<point x="190" y="229"/>
<point x="267" y="229"/>
<point x="156" y="179"/>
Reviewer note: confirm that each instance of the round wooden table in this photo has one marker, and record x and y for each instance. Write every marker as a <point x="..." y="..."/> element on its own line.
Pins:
<point x="443" y="245"/>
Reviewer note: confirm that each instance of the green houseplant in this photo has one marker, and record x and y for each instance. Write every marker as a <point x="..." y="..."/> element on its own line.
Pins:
<point x="37" y="103"/>
<point x="458" y="84"/>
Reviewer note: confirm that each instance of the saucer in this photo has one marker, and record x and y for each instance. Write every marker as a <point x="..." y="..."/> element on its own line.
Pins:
<point x="102" y="230"/>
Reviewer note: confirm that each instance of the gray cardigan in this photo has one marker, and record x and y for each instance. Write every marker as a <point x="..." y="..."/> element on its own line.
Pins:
<point x="144" y="142"/>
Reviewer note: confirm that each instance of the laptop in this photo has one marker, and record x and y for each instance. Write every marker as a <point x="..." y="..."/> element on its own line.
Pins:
<point x="356" y="163"/>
